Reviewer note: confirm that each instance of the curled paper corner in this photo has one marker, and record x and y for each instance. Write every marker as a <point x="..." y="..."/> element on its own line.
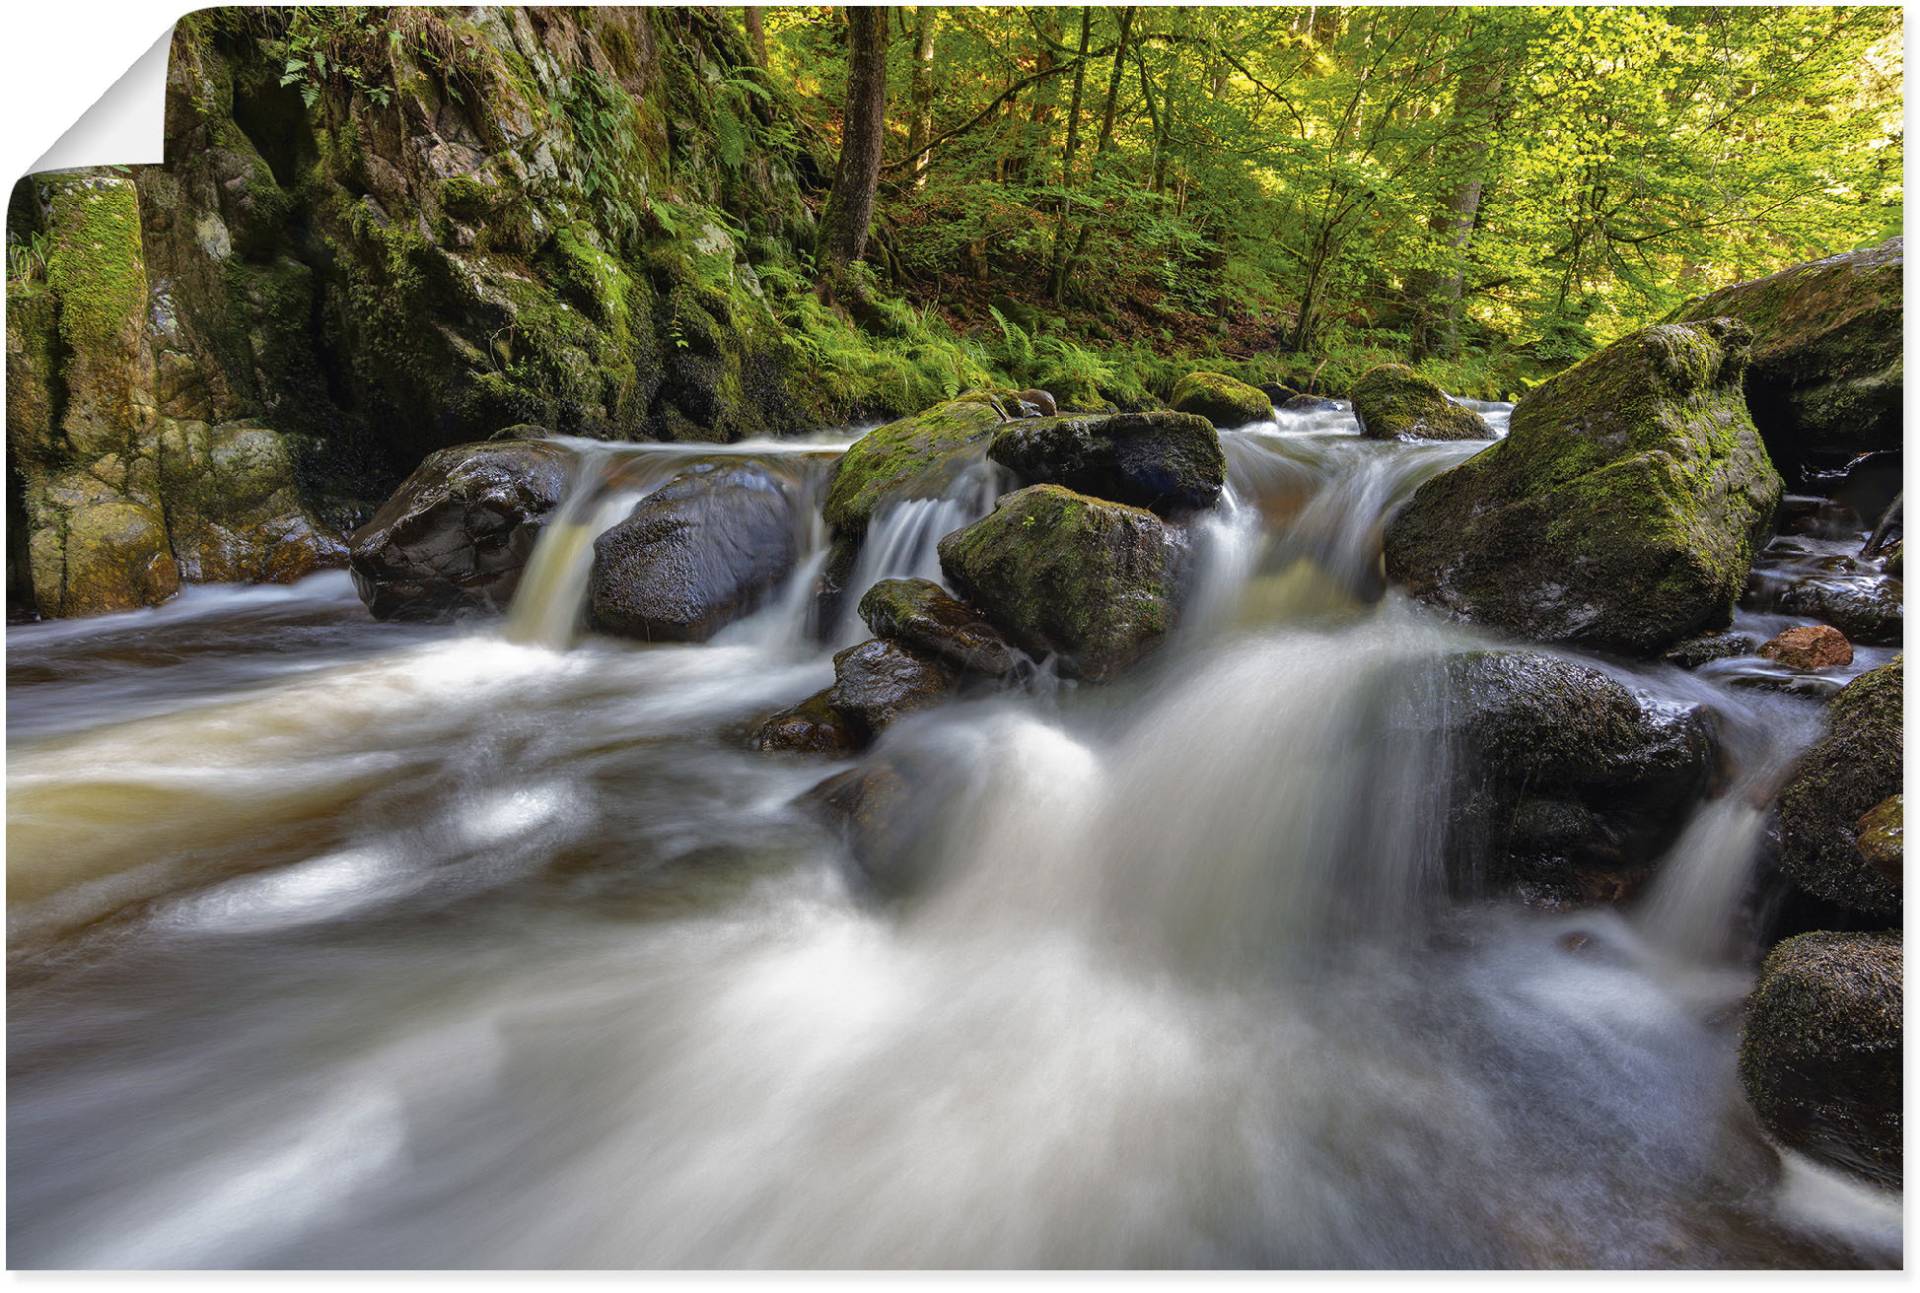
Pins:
<point x="125" y="126"/>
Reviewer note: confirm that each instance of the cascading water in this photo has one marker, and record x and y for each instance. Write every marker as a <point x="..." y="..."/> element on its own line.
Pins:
<point x="903" y="538"/>
<point x="337" y="943"/>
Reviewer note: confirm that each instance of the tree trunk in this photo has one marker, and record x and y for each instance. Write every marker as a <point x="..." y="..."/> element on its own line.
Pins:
<point x="1437" y="294"/>
<point x="1104" y="143"/>
<point x="849" y="211"/>
<point x="1056" y="277"/>
<point x="756" y="35"/>
<point x="921" y="129"/>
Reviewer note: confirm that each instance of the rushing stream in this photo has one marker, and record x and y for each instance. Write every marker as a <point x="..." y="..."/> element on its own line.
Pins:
<point x="337" y="943"/>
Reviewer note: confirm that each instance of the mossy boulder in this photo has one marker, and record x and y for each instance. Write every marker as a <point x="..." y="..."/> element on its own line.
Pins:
<point x="925" y="617"/>
<point x="1850" y="770"/>
<point x="457" y="534"/>
<point x="233" y="512"/>
<point x="1621" y="512"/>
<point x="1169" y="463"/>
<point x="96" y="545"/>
<point x="1392" y="402"/>
<point x="1226" y="402"/>
<point x="1881" y="835"/>
<point x="1825" y="380"/>
<point x="915" y="457"/>
<point x="1821" y="1050"/>
<point x="696" y="554"/>
<point x="1064" y="575"/>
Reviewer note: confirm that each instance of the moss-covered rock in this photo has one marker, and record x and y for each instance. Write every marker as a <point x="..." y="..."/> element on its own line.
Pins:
<point x="1621" y="512"/>
<point x="1826" y="376"/>
<point x="1226" y="402"/>
<point x="924" y="617"/>
<point x="1392" y="402"/>
<point x="457" y="534"/>
<point x="233" y="512"/>
<point x="1169" y="463"/>
<point x="1820" y="1054"/>
<point x="1850" y="770"/>
<point x="1881" y="835"/>
<point x="915" y="457"/>
<point x="1065" y="575"/>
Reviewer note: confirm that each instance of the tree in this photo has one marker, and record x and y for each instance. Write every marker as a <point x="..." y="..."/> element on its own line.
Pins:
<point x="920" y="133"/>
<point x="849" y="211"/>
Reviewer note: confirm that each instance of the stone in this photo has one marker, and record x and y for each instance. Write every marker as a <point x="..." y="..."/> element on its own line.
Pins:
<point x="1851" y="769"/>
<point x="1392" y="402"/>
<point x="1820" y="1052"/>
<point x="234" y="514"/>
<point x="924" y="617"/>
<point x="915" y="457"/>
<point x="1224" y="401"/>
<point x="1715" y="644"/>
<point x="1622" y="511"/>
<point x="1881" y="837"/>
<point x="1811" y="646"/>
<point x="696" y="554"/>
<point x="458" y="532"/>
<point x="878" y="682"/>
<point x="1168" y="463"/>
<point x="811" y="727"/>
<point x="1067" y="576"/>
<point x="1868" y="610"/>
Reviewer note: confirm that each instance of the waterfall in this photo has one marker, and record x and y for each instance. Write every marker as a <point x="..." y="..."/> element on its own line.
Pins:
<point x="552" y="590"/>
<point x="902" y="540"/>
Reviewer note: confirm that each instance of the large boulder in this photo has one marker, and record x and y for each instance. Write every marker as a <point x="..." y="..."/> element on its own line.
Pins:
<point x="1825" y="382"/>
<point x="1848" y="771"/>
<point x="1169" y="463"/>
<point x="696" y="554"/>
<point x="233" y="512"/>
<point x="1563" y="774"/>
<point x="916" y="457"/>
<point x="1820" y="1055"/>
<point x="1065" y="575"/>
<point x="457" y="533"/>
<point x="926" y="618"/>
<point x="1621" y="512"/>
<point x="1392" y="402"/>
<point x="1224" y="401"/>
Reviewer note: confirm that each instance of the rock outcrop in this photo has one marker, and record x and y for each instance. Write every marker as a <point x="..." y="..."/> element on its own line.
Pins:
<point x="1392" y="402"/>
<point x="1849" y="771"/>
<point x="1820" y="1054"/>
<point x="1825" y="379"/>
<point x="1168" y="463"/>
<point x="457" y="534"/>
<point x="696" y="554"/>
<point x="1622" y="511"/>
<point x="1060" y="574"/>
<point x="1227" y="402"/>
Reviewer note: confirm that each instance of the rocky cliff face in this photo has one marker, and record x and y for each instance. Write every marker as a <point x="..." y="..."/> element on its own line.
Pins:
<point x="378" y="233"/>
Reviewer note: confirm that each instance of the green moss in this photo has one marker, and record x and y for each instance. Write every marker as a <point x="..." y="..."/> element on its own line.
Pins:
<point x="916" y="457"/>
<point x="1222" y="400"/>
<point x="1392" y="402"/>
<point x="1847" y="773"/>
<point x="96" y="267"/>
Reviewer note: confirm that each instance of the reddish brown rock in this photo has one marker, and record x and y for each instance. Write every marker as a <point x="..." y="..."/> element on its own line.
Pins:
<point x="1811" y="646"/>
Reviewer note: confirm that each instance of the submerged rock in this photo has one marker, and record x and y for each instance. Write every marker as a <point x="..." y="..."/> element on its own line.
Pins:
<point x="923" y="616"/>
<point x="1226" y="402"/>
<point x="1867" y="610"/>
<point x="1169" y="463"/>
<point x="1558" y="766"/>
<point x="1623" y="510"/>
<point x="1825" y="379"/>
<point x="1392" y="402"/>
<point x="457" y="533"/>
<point x="876" y="813"/>
<point x="1847" y="772"/>
<point x="1820" y="1055"/>
<point x="1065" y="575"/>
<point x="916" y="457"/>
<point x="696" y="554"/>
<point x="1811" y="646"/>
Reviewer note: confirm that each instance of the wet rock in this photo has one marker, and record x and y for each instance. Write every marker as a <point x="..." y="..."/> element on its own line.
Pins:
<point x="1881" y="837"/>
<point x="457" y="533"/>
<point x="1310" y="404"/>
<point x="1820" y="1054"/>
<point x="1392" y="402"/>
<point x="1866" y="610"/>
<point x="1224" y="401"/>
<point x="1811" y="646"/>
<point x="1061" y="574"/>
<point x="878" y="682"/>
<point x="696" y="554"/>
<point x="1277" y="394"/>
<point x="1715" y="644"/>
<point x="811" y="727"/>
<point x="1562" y="769"/>
<point x="1032" y="403"/>
<point x="1853" y="768"/>
<point x="1169" y="463"/>
<point x="1870" y="484"/>
<point x="1891" y="562"/>
<point x="916" y="457"/>
<point x="924" y="617"/>
<point x="875" y="811"/>
<point x="1623" y="510"/>
<point x="1825" y="380"/>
